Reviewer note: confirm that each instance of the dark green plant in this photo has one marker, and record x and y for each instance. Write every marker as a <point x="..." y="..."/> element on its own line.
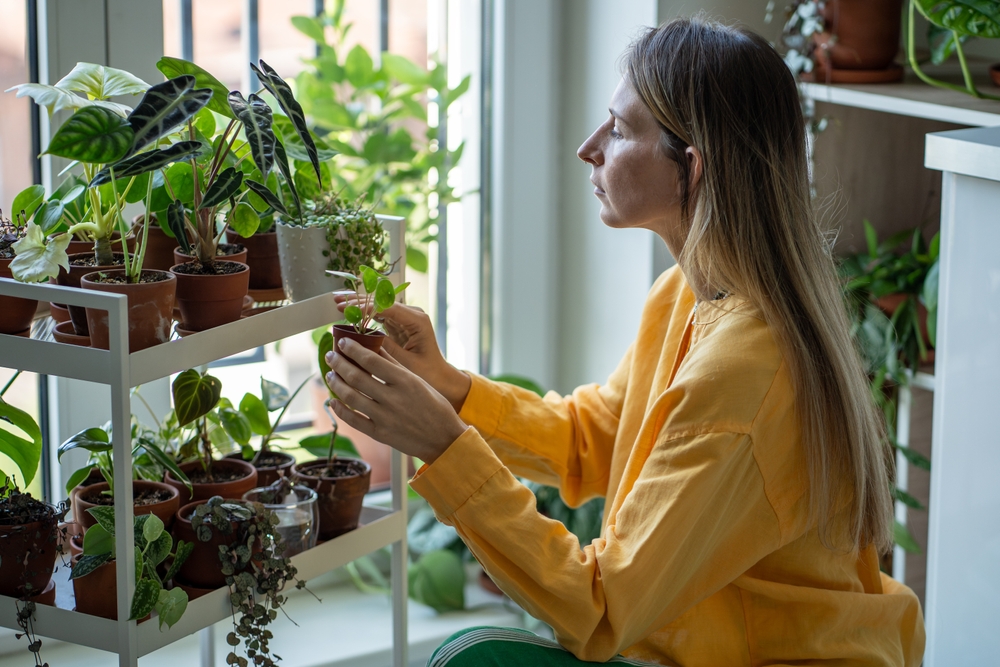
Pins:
<point x="255" y="571"/>
<point x="153" y="545"/>
<point x="952" y="24"/>
<point x="354" y="234"/>
<point x="195" y="396"/>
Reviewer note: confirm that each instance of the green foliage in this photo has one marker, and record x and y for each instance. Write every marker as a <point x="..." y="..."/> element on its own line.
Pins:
<point x="374" y="292"/>
<point x="25" y="452"/>
<point x="437" y="580"/>
<point x="353" y="233"/>
<point x="92" y="134"/>
<point x="519" y="381"/>
<point x="195" y="394"/>
<point x="319" y="445"/>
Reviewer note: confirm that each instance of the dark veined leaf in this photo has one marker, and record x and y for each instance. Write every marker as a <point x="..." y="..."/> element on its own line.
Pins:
<point x="257" y="118"/>
<point x="27" y="200"/>
<point x="282" y="159"/>
<point x="194" y="395"/>
<point x="184" y="550"/>
<point x="177" y="223"/>
<point x="225" y="185"/>
<point x="269" y="197"/>
<point x="149" y="161"/>
<point x="273" y="394"/>
<point x="256" y="413"/>
<point x="244" y="220"/>
<point x="88" y="564"/>
<point x="165" y="106"/>
<point x="283" y="93"/>
<point x="171" y="606"/>
<point x="319" y="445"/>
<point x="94" y="135"/>
<point x="518" y="381"/>
<point x="91" y="439"/>
<point x="147" y="594"/>
<point x="973" y="18"/>
<point x="174" y="67"/>
<point x="25" y="453"/>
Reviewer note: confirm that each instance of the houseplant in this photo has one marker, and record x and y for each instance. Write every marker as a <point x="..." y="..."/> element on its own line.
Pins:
<point x="373" y="293"/>
<point x="94" y="573"/>
<point x="295" y="507"/>
<point x="15" y="314"/>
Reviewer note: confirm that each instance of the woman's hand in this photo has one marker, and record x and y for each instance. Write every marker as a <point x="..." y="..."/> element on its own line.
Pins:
<point x="412" y="343"/>
<point x="399" y="409"/>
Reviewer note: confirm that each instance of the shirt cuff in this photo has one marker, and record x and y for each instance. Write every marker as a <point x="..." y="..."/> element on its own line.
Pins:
<point x="483" y="405"/>
<point x="457" y="474"/>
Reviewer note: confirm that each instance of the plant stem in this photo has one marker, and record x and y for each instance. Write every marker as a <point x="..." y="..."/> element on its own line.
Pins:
<point x="11" y="381"/>
<point x="127" y="261"/>
<point x="267" y="438"/>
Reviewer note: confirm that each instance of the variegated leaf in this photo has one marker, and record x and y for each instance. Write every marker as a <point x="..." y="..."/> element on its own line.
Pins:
<point x="256" y="118"/>
<point x="268" y="196"/>
<point x="149" y="161"/>
<point x="56" y="99"/>
<point x="174" y="67"/>
<point x="225" y="185"/>
<point x="165" y="106"/>
<point x="282" y="160"/>
<point x="99" y="82"/>
<point x="177" y="223"/>
<point x="283" y="93"/>
<point x="93" y="135"/>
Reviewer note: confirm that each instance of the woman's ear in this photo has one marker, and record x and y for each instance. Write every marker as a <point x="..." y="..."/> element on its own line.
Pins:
<point x="695" y="165"/>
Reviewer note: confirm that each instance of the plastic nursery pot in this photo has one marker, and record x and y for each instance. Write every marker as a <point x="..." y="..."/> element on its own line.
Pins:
<point x="232" y="252"/>
<point x="28" y="552"/>
<point x="15" y="314"/>
<point x="303" y="264"/>
<point x="150" y="308"/>
<point x="298" y="516"/>
<point x="97" y="593"/>
<point x="270" y="465"/>
<point x="65" y="333"/>
<point x="148" y="497"/>
<point x="209" y="300"/>
<point x="372" y="339"/>
<point x="262" y="258"/>
<point x="234" y="477"/>
<point x="340" y="495"/>
<point x="80" y="265"/>
<point x="202" y="569"/>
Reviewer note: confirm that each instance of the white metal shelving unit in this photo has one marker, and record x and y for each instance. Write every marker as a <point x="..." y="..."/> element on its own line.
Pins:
<point x="121" y="371"/>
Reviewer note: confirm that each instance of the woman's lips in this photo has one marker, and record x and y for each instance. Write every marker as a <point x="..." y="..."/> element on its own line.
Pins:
<point x="598" y="191"/>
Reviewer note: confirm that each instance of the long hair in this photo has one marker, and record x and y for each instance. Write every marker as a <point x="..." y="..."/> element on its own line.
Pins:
<point x="752" y="231"/>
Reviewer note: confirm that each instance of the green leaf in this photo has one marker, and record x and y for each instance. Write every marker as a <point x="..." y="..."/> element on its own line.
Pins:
<point x="236" y="425"/>
<point x="98" y="539"/>
<point x="174" y="67"/>
<point x="147" y="594"/>
<point x="319" y="445"/>
<point x="49" y="215"/>
<point x="872" y="238"/>
<point x="403" y="69"/>
<point x="324" y="345"/>
<point x="256" y="413"/>
<point x="273" y="394"/>
<point x="244" y="220"/>
<point x="416" y="259"/>
<point x="268" y="196"/>
<point x="76" y="478"/>
<point x="401" y="287"/>
<point x="100" y="82"/>
<point x="91" y="439"/>
<point x="25" y="453"/>
<point x="225" y="185"/>
<point x="519" y="381"/>
<point x="36" y="260"/>
<point x="973" y="18"/>
<point x="283" y="93"/>
<point x="915" y="458"/>
<point x="310" y="27"/>
<point x="194" y="395"/>
<point x="93" y="135"/>
<point x="166" y="462"/>
<point x="288" y="135"/>
<point x="901" y="536"/>
<point x="165" y="106"/>
<point x="159" y="549"/>
<point x="353" y="314"/>
<point x="256" y="117"/>
<point x="152" y="529"/>
<point x="171" y="606"/>
<point x="369" y="277"/>
<point x="184" y="550"/>
<point x="149" y="161"/>
<point x="176" y="222"/>
<point x="438" y="581"/>
<point x="27" y="200"/>
<point x="451" y="95"/>
<point x="88" y="563"/>
<point x="282" y="159"/>
<point x="907" y="499"/>
<point x="359" y="67"/>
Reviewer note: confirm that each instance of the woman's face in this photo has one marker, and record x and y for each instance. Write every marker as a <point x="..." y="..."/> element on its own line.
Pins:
<point x="637" y="184"/>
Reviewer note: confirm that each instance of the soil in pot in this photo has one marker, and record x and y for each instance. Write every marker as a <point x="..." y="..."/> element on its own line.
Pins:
<point x="210" y="295"/>
<point x="202" y="569"/>
<point x="230" y="478"/>
<point x="371" y="339"/>
<point x="150" y="306"/>
<point x="15" y="314"/>
<point x="233" y="252"/>
<point x="29" y="541"/>
<point x="262" y="258"/>
<point x="341" y="492"/>
<point x="148" y="497"/>
<point x="80" y="265"/>
<point x="270" y="465"/>
<point x="97" y="592"/>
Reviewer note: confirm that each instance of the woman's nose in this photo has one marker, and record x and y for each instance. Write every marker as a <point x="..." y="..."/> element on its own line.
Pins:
<point x="590" y="151"/>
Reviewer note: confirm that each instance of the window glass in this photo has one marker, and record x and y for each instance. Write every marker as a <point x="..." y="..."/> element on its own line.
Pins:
<point x="22" y="394"/>
<point x="15" y="118"/>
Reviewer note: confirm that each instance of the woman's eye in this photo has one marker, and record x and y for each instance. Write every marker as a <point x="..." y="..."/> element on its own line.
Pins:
<point x="615" y="133"/>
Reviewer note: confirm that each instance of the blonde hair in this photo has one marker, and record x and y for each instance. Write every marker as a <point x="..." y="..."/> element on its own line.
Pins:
<point x="752" y="231"/>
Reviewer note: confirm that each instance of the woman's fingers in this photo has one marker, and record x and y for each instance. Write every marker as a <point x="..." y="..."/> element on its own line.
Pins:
<point x="353" y="419"/>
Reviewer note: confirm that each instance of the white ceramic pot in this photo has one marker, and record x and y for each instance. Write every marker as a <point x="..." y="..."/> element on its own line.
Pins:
<point x="303" y="264"/>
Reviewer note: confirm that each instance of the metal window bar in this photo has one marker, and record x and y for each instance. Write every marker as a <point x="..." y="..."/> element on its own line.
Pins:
<point x="486" y="191"/>
<point x="250" y="42"/>
<point x="187" y="30"/>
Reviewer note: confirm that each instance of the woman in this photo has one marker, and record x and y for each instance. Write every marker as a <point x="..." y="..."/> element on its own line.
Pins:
<point x="742" y="460"/>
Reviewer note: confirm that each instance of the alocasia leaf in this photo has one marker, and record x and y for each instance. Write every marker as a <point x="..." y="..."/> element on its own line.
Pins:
<point x="92" y="134"/>
<point x="225" y="185"/>
<point x="176" y="222"/>
<point x="256" y="118"/>
<point x="282" y="159"/>
<point x="268" y="196"/>
<point x="35" y="260"/>
<point x="149" y="161"/>
<point x="174" y="67"/>
<point x="283" y="93"/>
<point x="165" y="106"/>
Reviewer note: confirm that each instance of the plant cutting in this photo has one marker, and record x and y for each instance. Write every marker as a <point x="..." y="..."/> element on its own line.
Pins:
<point x="15" y="314"/>
<point x="373" y="293"/>
<point x="94" y="573"/>
<point x="295" y="507"/>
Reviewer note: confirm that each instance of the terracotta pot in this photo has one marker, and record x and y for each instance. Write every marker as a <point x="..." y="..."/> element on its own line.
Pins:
<point x="97" y="592"/>
<point x="262" y="258"/>
<point x="47" y="596"/>
<point x="59" y="313"/>
<point x="202" y="569"/>
<point x="71" y="278"/>
<point x="204" y="491"/>
<point x="232" y="252"/>
<point x="193" y="591"/>
<point x="267" y="475"/>
<point x="866" y="34"/>
<point x="65" y="333"/>
<point x="207" y="301"/>
<point x="372" y="339"/>
<point x="75" y="545"/>
<point x="165" y="510"/>
<point x="15" y="314"/>
<point x="340" y="498"/>
<point x="150" y="306"/>
<point x="995" y="74"/>
<point x="74" y="248"/>
<point x="27" y="556"/>
<point x="303" y="264"/>
<point x="159" y="248"/>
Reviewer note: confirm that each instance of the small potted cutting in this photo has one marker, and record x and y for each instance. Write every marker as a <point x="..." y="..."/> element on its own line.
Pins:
<point x="196" y="395"/>
<point x="94" y="575"/>
<point x="296" y="509"/>
<point x="15" y="314"/>
<point x="373" y="293"/>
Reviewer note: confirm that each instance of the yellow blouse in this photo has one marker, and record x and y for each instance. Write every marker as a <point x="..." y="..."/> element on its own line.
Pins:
<point x="707" y="556"/>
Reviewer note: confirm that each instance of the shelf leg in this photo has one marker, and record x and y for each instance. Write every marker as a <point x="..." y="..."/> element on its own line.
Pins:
<point x="399" y="565"/>
<point x="903" y="402"/>
<point x="206" y="639"/>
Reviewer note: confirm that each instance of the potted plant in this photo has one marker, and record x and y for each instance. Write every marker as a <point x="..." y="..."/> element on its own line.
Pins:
<point x="195" y="397"/>
<point x="94" y="572"/>
<point x="262" y="256"/>
<point x="15" y="314"/>
<point x="373" y="293"/>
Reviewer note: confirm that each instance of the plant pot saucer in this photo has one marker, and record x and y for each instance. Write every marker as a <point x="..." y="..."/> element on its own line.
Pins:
<point x="59" y="313"/>
<point x="267" y="295"/>
<point x="891" y="74"/>
<point x="64" y="332"/>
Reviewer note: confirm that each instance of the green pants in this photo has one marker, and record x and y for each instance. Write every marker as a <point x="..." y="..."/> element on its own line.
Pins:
<point x="507" y="647"/>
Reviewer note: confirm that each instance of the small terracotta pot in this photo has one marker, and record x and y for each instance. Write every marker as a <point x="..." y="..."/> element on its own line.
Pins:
<point x="372" y="339"/>
<point x="159" y="246"/>
<point x="193" y="591"/>
<point x="204" y="491"/>
<point x="59" y="313"/>
<point x="262" y="258"/>
<point x="27" y="555"/>
<point x="74" y="248"/>
<point x="231" y="252"/>
<point x="202" y="569"/>
<point x="15" y="314"/>
<point x="71" y="278"/>
<point x="267" y="475"/>
<point x="859" y="34"/>
<point x="207" y="301"/>
<point x="150" y="306"/>
<point x="97" y="592"/>
<point x="75" y="545"/>
<point x="340" y="498"/>
<point x="65" y="333"/>
<point x="165" y="510"/>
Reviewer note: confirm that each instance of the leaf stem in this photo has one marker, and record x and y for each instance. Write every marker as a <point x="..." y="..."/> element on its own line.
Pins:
<point x="11" y="381"/>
